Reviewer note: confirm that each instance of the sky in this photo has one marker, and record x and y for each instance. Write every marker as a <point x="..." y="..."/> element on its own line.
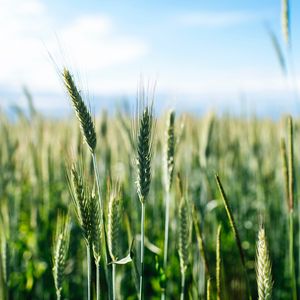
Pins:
<point x="200" y="55"/>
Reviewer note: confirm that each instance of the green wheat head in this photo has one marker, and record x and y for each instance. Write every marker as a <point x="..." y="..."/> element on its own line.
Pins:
<point x="60" y="250"/>
<point x="96" y="227"/>
<point x="144" y="152"/>
<point x="183" y="243"/>
<point x="82" y="112"/>
<point x="263" y="268"/>
<point x="81" y="200"/>
<point x="170" y="149"/>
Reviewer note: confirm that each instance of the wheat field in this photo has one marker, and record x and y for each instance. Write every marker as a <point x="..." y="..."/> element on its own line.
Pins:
<point x="145" y="206"/>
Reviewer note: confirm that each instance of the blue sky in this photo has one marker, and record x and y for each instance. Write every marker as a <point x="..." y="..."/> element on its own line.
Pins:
<point x="202" y="54"/>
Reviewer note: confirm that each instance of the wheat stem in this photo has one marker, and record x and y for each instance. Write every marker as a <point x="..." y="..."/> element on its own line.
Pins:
<point x="89" y="272"/>
<point x="114" y="281"/>
<point x="291" y="179"/>
<point x="208" y="289"/>
<point x="98" y="282"/>
<point x="142" y="251"/>
<point x="103" y="225"/>
<point x="167" y="220"/>
<point x="218" y="262"/>
<point x="235" y="231"/>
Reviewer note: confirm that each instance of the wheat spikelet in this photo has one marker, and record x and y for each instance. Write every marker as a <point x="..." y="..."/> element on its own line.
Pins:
<point x="183" y="245"/>
<point x="81" y="202"/>
<point x="82" y="112"/>
<point x="60" y="249"/>
<point x="263" y="268"/>
<point x="285" y="19"/>
<point x="113" y="228"/>
<point x="170" y="149"/>
<point x="96" y="225"/>
<point x="144" y="148"/>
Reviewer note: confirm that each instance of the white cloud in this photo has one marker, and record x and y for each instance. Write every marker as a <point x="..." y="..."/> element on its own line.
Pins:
<point x="212" y="19"/>
<point x="94" y="45"/>
<point x="92" y="42"/>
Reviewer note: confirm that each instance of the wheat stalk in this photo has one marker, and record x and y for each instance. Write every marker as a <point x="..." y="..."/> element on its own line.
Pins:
<point x="144" y="148"/>
<point x="143" y="164"/>
<point x="81" y="201"/>
<point x="218" y="262"/>
<point x="208" y="283"/>
<point x="113" y="232"/>
<point x="96" y="234"/>
<point x="113" y="226"/>
<point x="82" y="204"/>
<point x="263" y="268"/>
<point x="183" y="242"/>
<point x="285" y="170"/>
<point x="291" y="182"/>
<point x="60" y="250"/>
<point x="82" y="112"/>
<point x="234" y="230"/>
<point x="169" y="154"/>
<point x="285" y="19"/>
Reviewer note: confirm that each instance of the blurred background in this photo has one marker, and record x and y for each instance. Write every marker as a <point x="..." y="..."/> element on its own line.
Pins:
<point x="222" y="55"/>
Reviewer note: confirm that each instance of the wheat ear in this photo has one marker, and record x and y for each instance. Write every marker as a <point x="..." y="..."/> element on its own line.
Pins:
<point x="263" y="268"/>
<point x="82" y="204"/>
<point x="60" y="250"/>
<point x="82" y="112"/>
<point x="183" y="242"/>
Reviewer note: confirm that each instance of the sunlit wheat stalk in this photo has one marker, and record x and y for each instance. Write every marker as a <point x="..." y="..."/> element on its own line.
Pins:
<point x="263" y="268"/>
